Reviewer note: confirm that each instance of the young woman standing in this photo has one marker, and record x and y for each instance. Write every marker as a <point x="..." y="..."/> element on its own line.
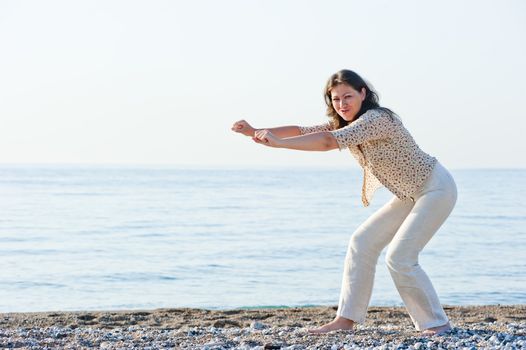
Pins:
<point x="424" y="196"/>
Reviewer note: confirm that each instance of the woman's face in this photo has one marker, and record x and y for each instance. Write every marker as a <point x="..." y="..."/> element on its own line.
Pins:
<point x="346" y="101"/>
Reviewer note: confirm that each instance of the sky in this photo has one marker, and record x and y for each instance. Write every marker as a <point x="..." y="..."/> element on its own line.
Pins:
<point x="162" y="82"/>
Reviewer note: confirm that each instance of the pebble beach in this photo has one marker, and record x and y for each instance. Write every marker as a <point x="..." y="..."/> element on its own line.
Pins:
<point x="474" y="327"/>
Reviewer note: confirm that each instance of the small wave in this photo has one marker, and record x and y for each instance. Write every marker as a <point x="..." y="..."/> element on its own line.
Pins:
<point x="6" y="252"/>
<point x="31" y="284"/>
<point x="134" y="277"/>
<point x="83" y="194"/>
<point x="494" y="217"/>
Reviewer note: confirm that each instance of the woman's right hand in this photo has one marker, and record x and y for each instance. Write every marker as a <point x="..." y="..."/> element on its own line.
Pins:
<point x="243" y="127"/>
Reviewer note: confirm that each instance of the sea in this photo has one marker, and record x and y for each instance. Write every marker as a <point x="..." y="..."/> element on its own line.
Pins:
<point x="115" y="237"/>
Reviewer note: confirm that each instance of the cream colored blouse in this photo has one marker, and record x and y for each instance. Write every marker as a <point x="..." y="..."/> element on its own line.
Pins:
<point x="385" y="150"/>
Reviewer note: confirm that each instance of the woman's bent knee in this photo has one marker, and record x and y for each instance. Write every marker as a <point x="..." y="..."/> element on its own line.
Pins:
<point x="361" y="242"/>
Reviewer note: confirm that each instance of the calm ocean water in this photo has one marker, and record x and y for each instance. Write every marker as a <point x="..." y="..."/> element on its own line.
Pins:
<point x="116" y="237"/>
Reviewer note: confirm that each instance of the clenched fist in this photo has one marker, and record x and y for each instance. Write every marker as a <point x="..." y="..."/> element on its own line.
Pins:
<point x="243" y="127"/>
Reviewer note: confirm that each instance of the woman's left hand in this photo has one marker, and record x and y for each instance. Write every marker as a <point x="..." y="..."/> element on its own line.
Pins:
<point x="265" y="137"/>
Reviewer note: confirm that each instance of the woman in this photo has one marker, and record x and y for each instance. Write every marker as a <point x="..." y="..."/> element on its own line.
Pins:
<point x="424" y="196"/>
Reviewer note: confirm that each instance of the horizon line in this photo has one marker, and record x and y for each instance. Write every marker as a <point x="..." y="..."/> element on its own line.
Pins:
<point x="220" y="166"/>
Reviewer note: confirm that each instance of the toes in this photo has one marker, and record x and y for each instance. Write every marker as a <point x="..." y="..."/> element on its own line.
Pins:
<point x="430" y="333"/>
<point x="320" y="330"/>
<point x="316" y="331"/>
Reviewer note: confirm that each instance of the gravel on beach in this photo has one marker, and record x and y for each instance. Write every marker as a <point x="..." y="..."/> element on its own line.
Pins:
<point x="474" y="327"/>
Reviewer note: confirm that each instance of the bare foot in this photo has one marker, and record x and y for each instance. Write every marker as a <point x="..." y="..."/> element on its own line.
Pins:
<point x="339" y="323"/>
<point x="437" y="330"/>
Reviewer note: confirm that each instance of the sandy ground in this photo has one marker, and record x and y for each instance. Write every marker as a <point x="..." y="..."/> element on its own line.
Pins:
<point x="292" y="317"/>
<point x="491" y="326"/>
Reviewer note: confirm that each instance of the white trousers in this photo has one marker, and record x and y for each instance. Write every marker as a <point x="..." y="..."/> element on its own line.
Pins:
<point x="406" y="226"/>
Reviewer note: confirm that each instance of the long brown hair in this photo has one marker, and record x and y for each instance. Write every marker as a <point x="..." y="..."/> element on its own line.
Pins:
<point x="352" y="79"/>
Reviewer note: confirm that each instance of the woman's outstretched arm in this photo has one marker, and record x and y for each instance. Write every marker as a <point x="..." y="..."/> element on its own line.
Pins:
<point x="243" y="127"/>
<point x="318" y="141"/>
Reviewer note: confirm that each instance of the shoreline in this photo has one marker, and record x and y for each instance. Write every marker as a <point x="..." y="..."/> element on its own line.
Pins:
<point x="267" y="328"/>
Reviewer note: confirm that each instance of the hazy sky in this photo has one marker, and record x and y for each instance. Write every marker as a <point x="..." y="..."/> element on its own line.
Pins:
<point x="162" y="81"/>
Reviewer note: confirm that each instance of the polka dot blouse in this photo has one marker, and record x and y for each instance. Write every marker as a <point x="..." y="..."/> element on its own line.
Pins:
<point x="385" y="150"/>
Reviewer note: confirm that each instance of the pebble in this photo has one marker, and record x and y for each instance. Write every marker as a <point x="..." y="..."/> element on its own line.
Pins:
<point x="257" y="325"/>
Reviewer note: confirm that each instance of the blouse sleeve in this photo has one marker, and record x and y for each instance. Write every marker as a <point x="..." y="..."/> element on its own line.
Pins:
<point x="316" y="128"/>
<point x="370" y="126"/>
